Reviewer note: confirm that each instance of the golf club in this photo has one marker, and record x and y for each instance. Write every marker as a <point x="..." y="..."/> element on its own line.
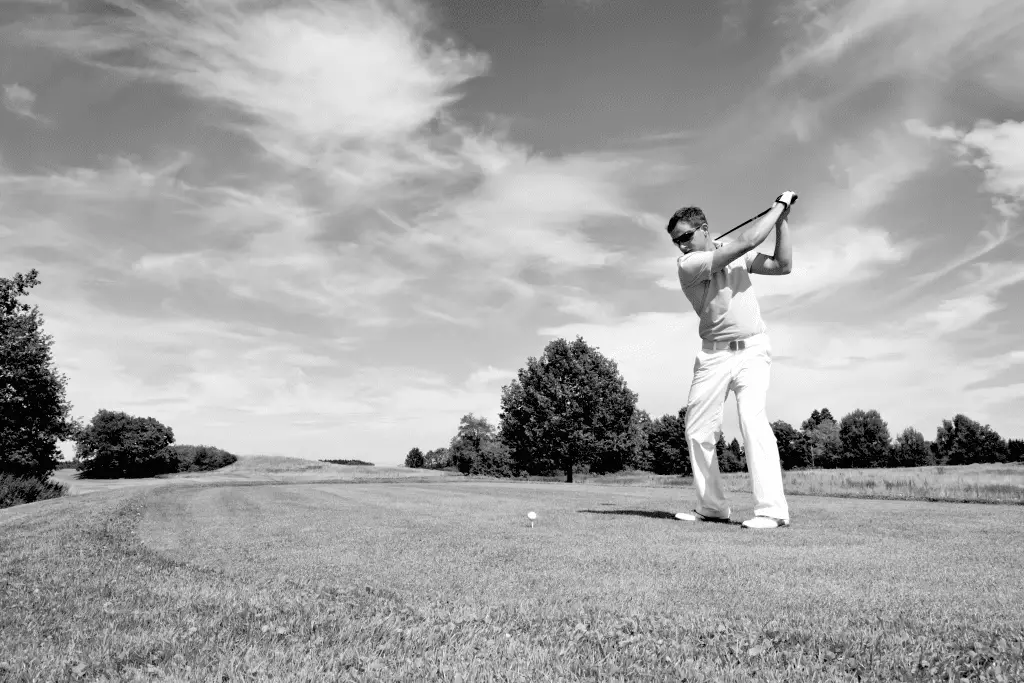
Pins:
<point x="750" y="220"/>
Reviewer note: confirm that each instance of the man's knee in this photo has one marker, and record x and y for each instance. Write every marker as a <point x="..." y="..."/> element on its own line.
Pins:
<point x="701" y="434"/>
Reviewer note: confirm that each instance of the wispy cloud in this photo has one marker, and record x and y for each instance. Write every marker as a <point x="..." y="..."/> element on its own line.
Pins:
<point x="371" y="208"/>
<point x="891" y="38"/>
<point x="838" y="54"/>
<point x="995" y="148"/>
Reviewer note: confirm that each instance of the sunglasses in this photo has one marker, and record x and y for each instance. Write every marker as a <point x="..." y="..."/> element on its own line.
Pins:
<point x="686" y="236"/>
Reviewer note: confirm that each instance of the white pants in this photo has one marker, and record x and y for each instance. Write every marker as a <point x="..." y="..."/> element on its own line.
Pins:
<point x="746" y="372"/>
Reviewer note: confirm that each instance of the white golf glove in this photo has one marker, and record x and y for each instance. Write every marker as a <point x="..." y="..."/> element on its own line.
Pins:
<point x="787" y="198"/>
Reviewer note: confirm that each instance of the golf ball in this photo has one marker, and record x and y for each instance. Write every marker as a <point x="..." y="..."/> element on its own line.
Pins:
<point x="531" y="515"/>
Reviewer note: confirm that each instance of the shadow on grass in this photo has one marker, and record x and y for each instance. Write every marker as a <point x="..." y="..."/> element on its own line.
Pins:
<point x="650" y="514"/>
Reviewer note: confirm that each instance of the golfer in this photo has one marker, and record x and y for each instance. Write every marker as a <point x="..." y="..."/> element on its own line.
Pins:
<point x="735" y="355"/>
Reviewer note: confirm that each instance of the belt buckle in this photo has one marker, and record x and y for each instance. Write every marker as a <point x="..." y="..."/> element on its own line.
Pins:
<point x="737" y="345"/>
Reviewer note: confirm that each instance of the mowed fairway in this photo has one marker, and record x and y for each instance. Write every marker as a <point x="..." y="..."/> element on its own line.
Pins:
<point x="446" y="580"/>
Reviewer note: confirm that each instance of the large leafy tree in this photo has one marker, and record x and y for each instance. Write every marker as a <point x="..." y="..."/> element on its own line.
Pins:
<point x="570" y="409"/>
<point x="865" y="439"/>
<point x="116" y="445"/>
<point x="962" y="441"/>
<point x="34" y="412"/>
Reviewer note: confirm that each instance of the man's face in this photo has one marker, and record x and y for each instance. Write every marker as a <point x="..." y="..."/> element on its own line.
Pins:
<point x="688" y="237"/>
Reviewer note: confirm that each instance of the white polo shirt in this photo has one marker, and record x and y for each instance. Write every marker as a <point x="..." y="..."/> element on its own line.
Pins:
<point x="725" y="300"/>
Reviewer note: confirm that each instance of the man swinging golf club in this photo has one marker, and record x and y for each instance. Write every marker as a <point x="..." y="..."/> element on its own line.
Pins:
<point x="735" y="355"/>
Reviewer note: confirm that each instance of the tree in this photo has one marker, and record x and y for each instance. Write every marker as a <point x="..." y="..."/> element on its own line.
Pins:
<point x="667" y="446"/>
<point x="414" y="458"/>
<point x="816" y="418"/>
<point x="911" y="450"/>
<point x="34" y="411"/>
<point x="437" y="459"/>
<point x="730" y="456"/>
<point x="820" y="441"/>
<point x="116" y="445"/>
<point x="962" y="441"/>
<point x="493" y="460"/>
<point x="473" y="444"/>
<point x="864" y="436"/>
<point x="569" y="409"/>
<point x="1015" y="450"/>
<point x="643" y="457"/>
<point x="790" y="451"/>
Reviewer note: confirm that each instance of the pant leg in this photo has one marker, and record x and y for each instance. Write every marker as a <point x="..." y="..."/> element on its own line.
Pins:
<point x="711" y="374"/>
<point x="750" y="384"/>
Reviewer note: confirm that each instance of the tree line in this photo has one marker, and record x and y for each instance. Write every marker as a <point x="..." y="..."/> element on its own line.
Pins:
<point x="35" y="416"/>
<point x="571" y="411"/>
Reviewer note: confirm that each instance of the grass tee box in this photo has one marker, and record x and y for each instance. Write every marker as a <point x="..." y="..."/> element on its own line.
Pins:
<point x="446" y="580"/>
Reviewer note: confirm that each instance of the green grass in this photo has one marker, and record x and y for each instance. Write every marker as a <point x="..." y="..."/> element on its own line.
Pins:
<point x="447" y="581"/>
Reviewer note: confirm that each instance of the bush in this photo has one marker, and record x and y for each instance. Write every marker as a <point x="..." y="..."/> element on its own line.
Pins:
<point x="492" y="460"/>
<point x="20" y="490"/>
<point x="348" y="462"/>
<point x="1015" y="450"/>
<point x="414" y="458"/>
<point x="116" y="445"/>
<point x="195" y="458"/>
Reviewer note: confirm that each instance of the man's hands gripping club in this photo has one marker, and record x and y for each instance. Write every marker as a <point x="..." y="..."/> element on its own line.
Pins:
<point x="788" y="198"/>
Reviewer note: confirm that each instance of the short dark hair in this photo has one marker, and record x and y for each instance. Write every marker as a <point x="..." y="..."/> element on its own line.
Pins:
<point x="688" y="214"/>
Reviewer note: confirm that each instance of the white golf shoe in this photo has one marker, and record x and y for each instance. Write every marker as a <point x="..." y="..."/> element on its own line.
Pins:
<point x="698" y="517"/>
<point x="760" y="522"/>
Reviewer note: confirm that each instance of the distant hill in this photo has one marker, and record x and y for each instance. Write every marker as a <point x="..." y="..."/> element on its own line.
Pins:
<point x="349" y="462"/>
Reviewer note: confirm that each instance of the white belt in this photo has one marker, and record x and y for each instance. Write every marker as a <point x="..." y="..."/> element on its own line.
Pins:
<point x="734" y="345"/>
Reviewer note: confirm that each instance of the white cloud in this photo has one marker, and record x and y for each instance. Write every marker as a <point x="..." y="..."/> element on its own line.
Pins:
<point x="20" y="100"/>
<point x="953" y="315"/>
<point x="490" y="376"/>
<point x="526" y="207"/>
<point x="343" y="87"/>
<point x="829" y="259"/>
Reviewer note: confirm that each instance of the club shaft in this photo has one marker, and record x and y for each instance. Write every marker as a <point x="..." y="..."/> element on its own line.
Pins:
<point x="749" y="220"/>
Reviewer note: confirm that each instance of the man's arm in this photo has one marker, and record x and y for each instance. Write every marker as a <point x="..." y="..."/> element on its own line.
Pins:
<point x="781" y="262"/>
<point x="749" y="239"/>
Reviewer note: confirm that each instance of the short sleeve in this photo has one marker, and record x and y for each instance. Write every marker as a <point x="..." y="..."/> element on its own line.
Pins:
<point x="694" y="267"/>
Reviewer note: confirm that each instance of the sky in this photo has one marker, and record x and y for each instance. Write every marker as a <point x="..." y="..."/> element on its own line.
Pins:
<point x="329" y="229"/>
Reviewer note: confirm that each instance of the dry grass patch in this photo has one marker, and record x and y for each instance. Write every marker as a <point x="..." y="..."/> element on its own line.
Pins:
<point x="981" y="483"/>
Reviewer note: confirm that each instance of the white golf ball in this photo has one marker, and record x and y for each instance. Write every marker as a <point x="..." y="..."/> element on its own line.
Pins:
<point x="531" y="515"/>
